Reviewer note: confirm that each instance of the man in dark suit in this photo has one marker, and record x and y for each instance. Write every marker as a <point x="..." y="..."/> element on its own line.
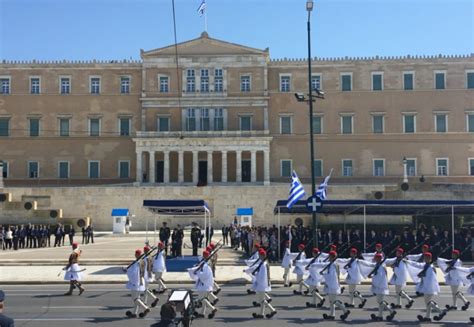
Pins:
<point x="4" y="320"/>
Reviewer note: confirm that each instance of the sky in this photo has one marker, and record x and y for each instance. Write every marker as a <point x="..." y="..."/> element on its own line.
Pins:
<point x="118" y="29"/>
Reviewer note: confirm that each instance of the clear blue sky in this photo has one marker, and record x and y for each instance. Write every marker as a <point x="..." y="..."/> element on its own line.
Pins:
<point x="117" y="29"/>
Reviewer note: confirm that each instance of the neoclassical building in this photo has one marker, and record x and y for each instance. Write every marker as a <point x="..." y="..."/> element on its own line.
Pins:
<point x="214" y="112"/>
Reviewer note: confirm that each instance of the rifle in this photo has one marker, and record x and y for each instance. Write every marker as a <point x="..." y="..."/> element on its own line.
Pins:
<point x="259" y="266"/>
<point x="452" y="262"/>
<point x="343" y="247"/>
<point x="314" y="258"/>
<point x="416" y="247"/>
<point x="205" y="260"/>
<point x="326" y="267"/>
<point x="423" y="272"/>
<point x="377" y="266"/>
<point x="301" y="252"/>
<point x="142" y="256"/>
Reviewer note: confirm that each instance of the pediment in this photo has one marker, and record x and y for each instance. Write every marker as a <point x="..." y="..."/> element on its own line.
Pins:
<point x="204" y="45"/>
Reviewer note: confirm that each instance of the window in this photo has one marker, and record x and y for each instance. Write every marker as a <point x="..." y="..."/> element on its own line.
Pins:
<point x="204" y="80"/>
<point x="5" y="85"/>
<point x="164" y="84"/>
<point x="346" y="124"/>
<point x="124" y="85"/>
<point x="95" y="85"/>
<point x="219" y="119"/>
<point x="379" y="167"/>
<point x="285" y="124"/>
<point x="377" y="124"/>
<point x="471" y="166"/>
<point x="317" y="124"/>
<point x="163" y="124"/>
<point x="5" y="169"/>
<point x="125" y="124"/>
<point x="440" y="80"/>
<point x="285" y="168"/>
<point x="411" y="167"/>
<point x="218" y="80"/>
<point x="318" y="168"/>
<point x="35" y="85"/>
<point x="64" y="127"/>
<point x="190" y="81"/>
<point x="94" y="169"/>
<point x="191" y="119"/>
<point x="441" y="122"/>
<point x="63" y="168"/>
<point x="347" y="167"/>
<point x="34" y="126"/>
<point x="316" y="82"/>
<point x="245" y="123"/>
<point x="65" y="85"/>
<point x="470" y="122"/>
<point x="33" y="169"/>
<point x="124" y="169"/>
<point x="408" y="79"/>
<point x="285" y="81"/>
<point x="346" y="81"/>
<point x="94" y="126"/>
<point x="4" y="126"/>
<point x="245" y="83"/>
<point x="442" y="167"/>
<point x="205" y="123"/>
<point x="377" y="81"/>
<point x="409" y="123"/>
<point x="470" y="80"/>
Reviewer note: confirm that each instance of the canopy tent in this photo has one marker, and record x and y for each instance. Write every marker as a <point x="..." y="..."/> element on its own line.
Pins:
<point x="178" y="208"/>
<point x="382" y="207"/>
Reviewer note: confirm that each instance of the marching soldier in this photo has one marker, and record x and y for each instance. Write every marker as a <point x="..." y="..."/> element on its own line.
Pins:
<point x="148" y="277"/>
<point x="454" y="278"/>
<point x="159" y="268"/>
<point x="314" y="279"/>
<point x="399" y="279"/>
<point x="202" y="275"/>
<point x="253" y="261"/>
<point x="136" y="284"/>
<point x="262" y="286"/>
<point x="299" y="271"/>
<point x="73" y="271"/>
<point x="286" y="264"/>
<point x="213" y="263"/>
<point x="353" y="278"/>
<point x="371" y="256"/>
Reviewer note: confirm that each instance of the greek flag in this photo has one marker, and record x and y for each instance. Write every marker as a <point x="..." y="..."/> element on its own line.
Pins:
<point x="321" y="192"/>
<point x="202" y="8"/>
<point x="296" y="190"/>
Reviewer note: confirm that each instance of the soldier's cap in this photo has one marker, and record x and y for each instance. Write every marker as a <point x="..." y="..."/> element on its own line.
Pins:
<point x="425" y="246"/>
<point x="301" y="246"/>
<point x="257" y="245"/>
<point x="378" y="256"/>
<point x="205" y="253"/>
<point x="212" y="245"/>
<point x="138" y="252"/>
<point x="378" y="245"/>
<point x="209" y="248"/>
<point x="456" y="252"/>
<point x="333" y="253"/>
<point x="333" y="247"/>
<point x="262" y="251"/>
<point x="2" y="296"/>
<point x="353" y="250"/>
<point x="146" y="248"/>
<point x="161" y="244"/>
<point x="315" y="250"/>
<point x="74" y="245"/>
<point x="400" y="250"/>
<point x="428" y="254"/>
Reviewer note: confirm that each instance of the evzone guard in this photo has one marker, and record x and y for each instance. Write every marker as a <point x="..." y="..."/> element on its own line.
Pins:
<point x="351" y="267"/>
<point x="213" y="263"/>
<point x="212" y="297"/>
<point x="73" y="272"/>
<point x="159" y="268"/>
<point x="299" y="271"/>
<point x="314" y="279"/>
<point x="204" y="281"/>
<point x="399" y="279"/>
<point x="286" y="264"/>
<point x="262" y="285"/>
<point x="136" y="285"/>
<point x="253" y="260"/>
<point x="455" y="278"/>
<point x="148" y="276"/>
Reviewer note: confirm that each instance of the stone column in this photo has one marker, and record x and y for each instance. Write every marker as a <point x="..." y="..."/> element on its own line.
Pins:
<point x="1" y="174"/>
<point x="253" y="166"/>
<point x="265" y="118"/>
<point x="238" y="164"/>
<point x="152" y="178"/>
<point x="266" y="167"/>
<point x="166" y="173"/>
<point x="224" y="166"/>
<point x="180" y="166"/>
<point x="209" y="167"/>
<point x="139" y="168"/>
<point x="195" y="167"/>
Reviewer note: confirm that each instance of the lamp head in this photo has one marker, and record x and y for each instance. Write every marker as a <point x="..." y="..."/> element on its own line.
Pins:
<point x="404" y="160"/>
<point x="300" y="97"/>
<point x="309" y="5"/>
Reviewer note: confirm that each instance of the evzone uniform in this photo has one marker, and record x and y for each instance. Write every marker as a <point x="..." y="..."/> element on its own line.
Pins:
<point x="73" y="272"/>
<point x="351" y="267"/>
<point x="262" y="285"/>
<point x="455" y="278"/>
<point x="371" y="256"/>
<point x="470" y="279"/>
<point x="286" y="264"/>
<point x="424" y="274"/>
<point x="212" y="297"/>
<point x="148" y="277"/>
<point x="213" y="262"/>
<point x="332" y="287"/>
<point x="159" y="268"/>
<point x="252" y="261"/>
<point x="299" y="270"/>
<point x="378" y="274"/>
<point x="314" y="279"/>
<point x="202" y="275"/>
<point x="399" y="279"/>
<point x="136" y="285"/>
<point x="419" y="257"/>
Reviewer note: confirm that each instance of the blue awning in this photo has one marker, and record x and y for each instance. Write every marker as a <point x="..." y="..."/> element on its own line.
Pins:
<point x="244" y="212"/>
<point x="383" y="207"/>
<point x="117" y="212"/>
<point x="177" y="207"/>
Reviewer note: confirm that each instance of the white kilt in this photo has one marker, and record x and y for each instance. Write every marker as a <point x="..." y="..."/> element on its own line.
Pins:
<point x="73" y="273"/>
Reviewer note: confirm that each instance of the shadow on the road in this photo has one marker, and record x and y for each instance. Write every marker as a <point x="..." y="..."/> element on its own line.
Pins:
<point x="111" y="308"/>
<point x="109" y="271"/>
<point x="44" y="296"/>
<point x="102" y="320"/>
<point x="233" y="319"/>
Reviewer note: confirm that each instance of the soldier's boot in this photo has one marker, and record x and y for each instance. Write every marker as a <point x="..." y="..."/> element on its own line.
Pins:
<point x="71" y="288"/>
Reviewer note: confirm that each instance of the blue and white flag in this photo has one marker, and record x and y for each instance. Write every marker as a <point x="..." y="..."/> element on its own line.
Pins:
<point x="296" y="190"/>
<point x="321" y="192"/>
<point x="202" y="8"/>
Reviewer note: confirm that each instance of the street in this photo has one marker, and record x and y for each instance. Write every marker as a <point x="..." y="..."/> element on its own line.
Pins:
<point x="105" y="305"/>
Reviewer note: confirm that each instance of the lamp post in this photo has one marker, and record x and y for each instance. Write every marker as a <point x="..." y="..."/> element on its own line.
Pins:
<point x="405" y="175"/>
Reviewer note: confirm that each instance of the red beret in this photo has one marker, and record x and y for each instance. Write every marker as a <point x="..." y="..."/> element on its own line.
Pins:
<point x="262" y="251"/>
<point x="257" y="245"/>
<point x="333" y="247"/>
<point x="146" y="248"/>
<point x="138" y="252"/>
<point x="205" y="253"/>
<point x="378" y="255"/>
<point x="212" y="245"/>
<point x="427" y="254"/>
<point x="209" y="248"/>
<point x="378" y="245"/>
<point x="426" y="246"/>
<point x="161" y="244"/>
<point x="74" y="245"/>
<point x="353" y="250"/>
<point x="301" y="246"/>
<point x="315" y="250"/>
<point x="400" y="250"/>
<point x="456" y="252"/>
<point x="332" y="253"/>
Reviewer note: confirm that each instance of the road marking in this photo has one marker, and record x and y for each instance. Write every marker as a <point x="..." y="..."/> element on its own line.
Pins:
<point x="77" y="307"/>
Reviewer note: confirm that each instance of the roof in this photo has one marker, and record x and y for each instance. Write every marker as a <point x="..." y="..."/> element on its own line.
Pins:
<point x="177" y="207"/>
<point x="244" y="212"/>
<point x="383" y="207"/>
<point x="117" y="212"/>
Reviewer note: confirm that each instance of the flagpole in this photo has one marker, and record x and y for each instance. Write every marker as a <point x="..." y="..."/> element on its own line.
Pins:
<point x="205" y="19"/>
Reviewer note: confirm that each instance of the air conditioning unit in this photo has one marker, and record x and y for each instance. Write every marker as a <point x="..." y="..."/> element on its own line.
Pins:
<point x="77" y="223"/>
<point x="5" y="197"/>
<point x="56" y="213"/>
<point x="30" y="205"/>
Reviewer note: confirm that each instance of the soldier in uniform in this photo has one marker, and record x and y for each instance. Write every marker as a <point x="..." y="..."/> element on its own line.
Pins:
<point x="73" y="272"/>
<point x="213" y="263"/>
<point x="159" y="268"/>
<point x="454" y="279"/>
<point x="136" y="284"/>
<point x="4" y="320"/>
<point x="165" y="234"/>
<point x="202" y="275"/>
<point x="262" y="286"/>
<point x="148" y="277"/>
<point x="195" y="236"/>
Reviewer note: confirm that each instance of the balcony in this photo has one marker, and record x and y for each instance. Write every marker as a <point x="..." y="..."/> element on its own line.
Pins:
<point x="202" y="134"/>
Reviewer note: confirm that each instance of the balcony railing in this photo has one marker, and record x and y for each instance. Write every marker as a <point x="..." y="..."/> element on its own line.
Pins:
<point x="179" y="134"/>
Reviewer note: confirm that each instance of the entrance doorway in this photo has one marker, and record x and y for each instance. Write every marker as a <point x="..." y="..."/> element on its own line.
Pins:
<point x="202" y="176"/>
<point x="160" y="172"/>
<point x="246" y="171"/>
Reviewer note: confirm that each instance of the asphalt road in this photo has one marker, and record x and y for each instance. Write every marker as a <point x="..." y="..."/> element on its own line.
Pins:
<point x="105" y="305"/>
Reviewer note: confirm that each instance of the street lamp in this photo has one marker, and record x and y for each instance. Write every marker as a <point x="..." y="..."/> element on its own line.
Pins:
<point x="405" y="175"/>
